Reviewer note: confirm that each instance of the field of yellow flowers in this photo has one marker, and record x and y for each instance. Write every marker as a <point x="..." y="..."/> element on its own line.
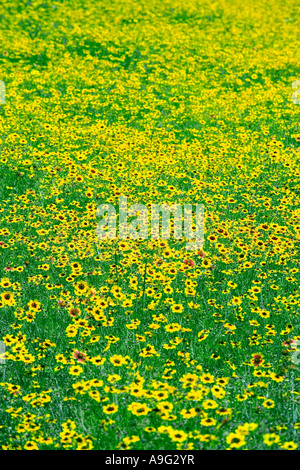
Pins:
<point x="141" y="344"/>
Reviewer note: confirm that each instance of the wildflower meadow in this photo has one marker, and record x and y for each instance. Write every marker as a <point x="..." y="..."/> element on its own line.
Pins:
<point x="137" y="342"/>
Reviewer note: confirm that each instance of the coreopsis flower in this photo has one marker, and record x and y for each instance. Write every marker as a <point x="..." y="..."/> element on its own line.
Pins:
<point x="80" y="356"/>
